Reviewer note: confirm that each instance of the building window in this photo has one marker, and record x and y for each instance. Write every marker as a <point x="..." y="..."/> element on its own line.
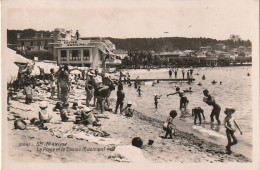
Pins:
<point x="31" y="43"/>
<point x="22" y="43"/>
<point x="46" y="43"/>
<point x="86" y="55"/>
<point x="74" y="55"/>
<point x="63" y="55"/>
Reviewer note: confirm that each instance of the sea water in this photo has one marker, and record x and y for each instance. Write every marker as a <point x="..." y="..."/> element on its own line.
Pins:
<point x="234" y="92"/>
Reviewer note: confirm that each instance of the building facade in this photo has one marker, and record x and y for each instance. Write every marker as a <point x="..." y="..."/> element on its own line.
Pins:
<point x="121" y="53"/>
<point x="84" y="53"/>
<point x="40" y="42"/>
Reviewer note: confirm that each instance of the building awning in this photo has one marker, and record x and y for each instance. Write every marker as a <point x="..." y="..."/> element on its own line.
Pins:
<point x="103" y="51"/>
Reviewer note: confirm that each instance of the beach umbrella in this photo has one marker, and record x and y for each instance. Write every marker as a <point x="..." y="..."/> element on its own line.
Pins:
<point x="35" y="71"/>
<point x="11" y="72"/>
<point x="20" y="59"/>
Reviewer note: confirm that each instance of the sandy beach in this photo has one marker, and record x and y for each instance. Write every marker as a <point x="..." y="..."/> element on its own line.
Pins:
<point x="61" y="144"/>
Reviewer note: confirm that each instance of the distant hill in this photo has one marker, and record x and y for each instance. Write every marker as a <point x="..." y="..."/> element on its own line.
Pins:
<point x="172" y="43"/>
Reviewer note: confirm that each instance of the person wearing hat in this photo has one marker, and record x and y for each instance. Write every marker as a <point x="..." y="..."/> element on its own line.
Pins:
<point x="230" y="125"/>
<point x="211" y="102"/>
<point x="128" y="111"/>
<point x="44" y="114"/>
<point x="168" y="126"/>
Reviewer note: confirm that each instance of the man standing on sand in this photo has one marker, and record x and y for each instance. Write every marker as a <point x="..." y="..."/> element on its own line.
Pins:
<point x="211" y="102"/>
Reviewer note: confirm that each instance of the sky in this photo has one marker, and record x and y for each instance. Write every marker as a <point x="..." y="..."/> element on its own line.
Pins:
<point x="136" y="19"/>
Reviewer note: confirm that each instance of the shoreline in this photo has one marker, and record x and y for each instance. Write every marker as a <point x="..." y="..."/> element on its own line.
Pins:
<point x="184" y="147"/>
<point x="187" y="146"/>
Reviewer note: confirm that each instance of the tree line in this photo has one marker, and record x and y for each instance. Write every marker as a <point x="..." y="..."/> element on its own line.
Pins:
<point x="173" y="43"/>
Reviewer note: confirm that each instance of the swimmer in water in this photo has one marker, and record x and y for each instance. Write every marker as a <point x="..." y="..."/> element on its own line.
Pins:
<point x="211" y="102"/>
<point x="214" y="82"/>
<point x="197" y="112"/>
<point x="183" y="100"/>
<point x="188" y="90"/>
<point x="139" y="90"/>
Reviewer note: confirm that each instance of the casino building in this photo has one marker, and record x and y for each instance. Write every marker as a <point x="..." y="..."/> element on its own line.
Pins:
<point x="88" y="52"/>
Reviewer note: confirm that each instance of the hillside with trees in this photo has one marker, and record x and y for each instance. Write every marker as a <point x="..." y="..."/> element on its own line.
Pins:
<point x="173" y="43"/>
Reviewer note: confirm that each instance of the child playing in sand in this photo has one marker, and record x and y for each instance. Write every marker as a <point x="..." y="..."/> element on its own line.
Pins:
<point x="168" y="126"/>
<point x="230" y="125"/>
<point x="128" y="111"/>
<point x="197" y="112"/>
<point x="44" y="114"/>
<point x="64" y="116"/>
<point x="156" y="97"/>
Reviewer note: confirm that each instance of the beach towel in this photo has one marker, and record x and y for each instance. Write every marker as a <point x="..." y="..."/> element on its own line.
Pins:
<point x="128" y="153"/>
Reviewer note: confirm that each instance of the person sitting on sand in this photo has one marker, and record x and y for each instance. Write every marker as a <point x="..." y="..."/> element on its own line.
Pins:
<point x="199" y="84"/>
<point x="156" y="97"/>
<point x="203" y="77"/>
<point x="44" y="113"/>
<point x="87" y="117"/>
<point x="197" y="112"/>
<point x="120" y="99"/>
<point x="168" y="126"/>
<point x="211" y="102"/>
<point x="128" y="111"/>
<point x="64" y="116"/>
<point x="230" y="125"/>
